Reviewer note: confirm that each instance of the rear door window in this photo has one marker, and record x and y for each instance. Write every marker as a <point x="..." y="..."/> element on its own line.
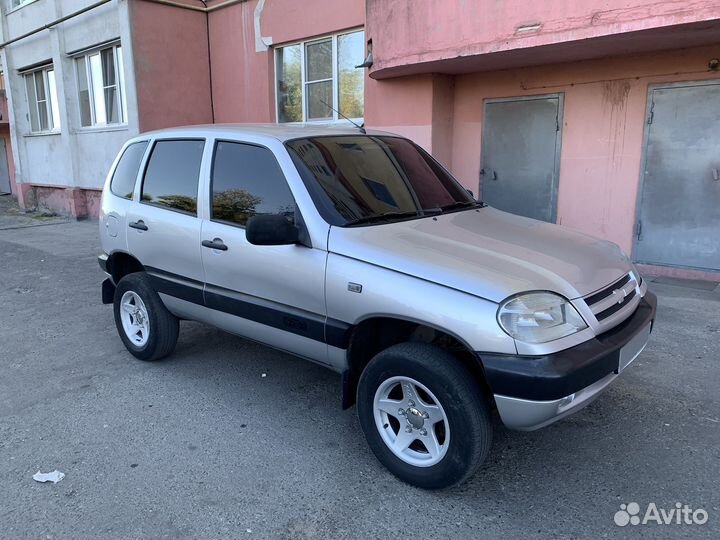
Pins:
<point x="172" y="173"/>
<point x="125" y="174"/>
<point x="247" y="181"/>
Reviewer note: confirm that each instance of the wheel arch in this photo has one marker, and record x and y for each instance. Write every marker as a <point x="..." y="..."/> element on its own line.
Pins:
<point x="375" y="333"/>
<point x="121" y="263"/>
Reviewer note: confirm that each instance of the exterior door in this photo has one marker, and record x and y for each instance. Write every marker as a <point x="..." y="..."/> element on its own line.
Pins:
<point x="520" y="155"/>
<point x="163" y="230"/>
<point x="4" y="171"/>
<point x="679" y="209"/>
<point x="273" y="294"/>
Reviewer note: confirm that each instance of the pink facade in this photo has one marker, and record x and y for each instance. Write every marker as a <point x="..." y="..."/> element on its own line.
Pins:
<point x="437" y="62"/>
<point x="435" y="65"/>
<point x="242" y="62"/>
<point x="604" y="120"/>
<point x="77" y="202"/>
<point x="172" y="72"/>
<point x="456" y="37"/>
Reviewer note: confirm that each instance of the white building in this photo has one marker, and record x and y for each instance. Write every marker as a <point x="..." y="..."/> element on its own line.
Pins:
<point x="71" y="97"/>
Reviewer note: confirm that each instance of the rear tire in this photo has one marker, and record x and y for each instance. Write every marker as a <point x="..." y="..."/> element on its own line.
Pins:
<point x="146" y="327"/>
<point x="421" y="394"/>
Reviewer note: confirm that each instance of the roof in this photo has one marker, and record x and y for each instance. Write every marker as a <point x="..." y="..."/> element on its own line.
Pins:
<point x="281" y="132"/>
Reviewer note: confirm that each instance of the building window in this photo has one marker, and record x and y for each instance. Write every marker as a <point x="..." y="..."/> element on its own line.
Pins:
<point x="101" y="85"/>
<point x="315" y="77"/>
<point x="42" y="100"/>
<point x="17" y="3"/>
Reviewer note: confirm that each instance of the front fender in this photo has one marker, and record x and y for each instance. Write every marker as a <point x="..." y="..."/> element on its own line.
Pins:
<point x="388" y="293"/>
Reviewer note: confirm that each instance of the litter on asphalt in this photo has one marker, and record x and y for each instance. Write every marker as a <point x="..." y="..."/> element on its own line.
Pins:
<point x="53" y="477"/>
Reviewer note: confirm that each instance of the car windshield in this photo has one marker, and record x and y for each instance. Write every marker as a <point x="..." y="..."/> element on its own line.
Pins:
<point x="365" y="179"/>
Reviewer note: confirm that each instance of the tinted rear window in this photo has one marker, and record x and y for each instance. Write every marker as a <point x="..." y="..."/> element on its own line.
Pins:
<point x="171" y="177"/>
<point x="123" y="179"/>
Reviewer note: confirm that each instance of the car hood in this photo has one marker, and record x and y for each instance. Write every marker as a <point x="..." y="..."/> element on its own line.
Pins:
<point x="487" y="253"/>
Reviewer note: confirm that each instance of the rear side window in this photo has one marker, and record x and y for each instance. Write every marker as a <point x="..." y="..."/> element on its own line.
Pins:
<point x="123" y="179"/>
<point x="171" y="176"/>
<point x="247" y="181"/>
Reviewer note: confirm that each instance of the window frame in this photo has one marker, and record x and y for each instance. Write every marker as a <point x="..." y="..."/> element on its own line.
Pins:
<point x="212" y="179"/>
<point x="146" y="164"/>
<point x="335" y="118"/>
<point x="12" y="6"/>
<point x="53" y="113"/>
<point x="120" y="96"/>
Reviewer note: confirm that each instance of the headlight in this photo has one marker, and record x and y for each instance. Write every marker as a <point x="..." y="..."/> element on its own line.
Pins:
<point x="538" y="317"/>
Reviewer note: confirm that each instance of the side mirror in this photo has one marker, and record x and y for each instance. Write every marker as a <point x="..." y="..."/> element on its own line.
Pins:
<point x="271" y="230"/>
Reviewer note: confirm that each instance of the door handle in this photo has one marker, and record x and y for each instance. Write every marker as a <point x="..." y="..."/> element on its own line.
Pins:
<point x="139" y="225"/>
<point x="715" y="174"/>
<point x="215" y="243"/>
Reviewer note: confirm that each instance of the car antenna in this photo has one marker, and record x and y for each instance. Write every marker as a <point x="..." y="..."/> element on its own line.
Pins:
<point x="360" y="127"/>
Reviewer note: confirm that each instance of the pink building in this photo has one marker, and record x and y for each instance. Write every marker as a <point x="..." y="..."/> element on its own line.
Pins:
<point x="599" y="115"/>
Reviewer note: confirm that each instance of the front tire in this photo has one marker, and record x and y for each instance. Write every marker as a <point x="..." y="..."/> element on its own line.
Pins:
<point x="424" y="416"/>
<point x="146" y="327"/>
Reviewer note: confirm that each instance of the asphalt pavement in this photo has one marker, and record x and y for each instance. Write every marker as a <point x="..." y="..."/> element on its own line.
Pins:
<point x="230" y="439"/>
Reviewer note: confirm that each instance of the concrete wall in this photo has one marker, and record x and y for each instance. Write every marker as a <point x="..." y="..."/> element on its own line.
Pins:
<point x="76" y="157"/>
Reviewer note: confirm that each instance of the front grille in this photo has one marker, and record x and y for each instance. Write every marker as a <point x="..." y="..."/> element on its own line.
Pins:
<point x="607" y="291"/>
<point x="615" y="307"/>
<point x="607" y="302"/>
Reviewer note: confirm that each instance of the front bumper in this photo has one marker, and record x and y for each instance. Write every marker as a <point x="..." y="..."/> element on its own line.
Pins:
<point x="534" y="391"/>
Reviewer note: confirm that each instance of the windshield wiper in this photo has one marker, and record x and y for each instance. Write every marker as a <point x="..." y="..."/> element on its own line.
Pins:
<point x="384" y="217"/>
<point x="461" y="204"/>
<point x="387" y="216"/>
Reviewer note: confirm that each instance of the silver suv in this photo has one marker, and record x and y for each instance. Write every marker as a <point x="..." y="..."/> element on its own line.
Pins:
<point x="360" y="252"/>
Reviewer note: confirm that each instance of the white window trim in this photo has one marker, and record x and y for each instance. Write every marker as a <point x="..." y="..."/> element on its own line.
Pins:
<point x="119" y="85"/>
<point x="51" y="114"/>
<point x="336" y="118"/>
<point x="12" y="9"/>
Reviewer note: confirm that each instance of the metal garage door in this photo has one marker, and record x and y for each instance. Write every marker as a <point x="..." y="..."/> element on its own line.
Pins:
<point x="4" y="172"/>
<point x="679" y="209"/>
<point x="520" y="155"/>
